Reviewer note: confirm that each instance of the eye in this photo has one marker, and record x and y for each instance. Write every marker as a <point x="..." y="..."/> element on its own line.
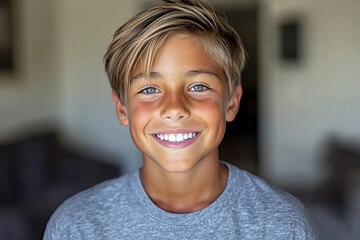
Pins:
<point x="149" y="90"/>
<point x="198" y="88"/>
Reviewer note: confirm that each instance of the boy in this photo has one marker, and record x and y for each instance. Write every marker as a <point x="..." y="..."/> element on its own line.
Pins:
<point x="175" y="73"/>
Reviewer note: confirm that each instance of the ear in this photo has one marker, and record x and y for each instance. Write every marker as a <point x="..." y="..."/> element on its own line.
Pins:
<point x="120" y="110"/>
<point x="233" y="104"/>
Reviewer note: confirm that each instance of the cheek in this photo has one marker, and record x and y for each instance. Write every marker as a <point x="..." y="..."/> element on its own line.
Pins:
<point x="213" y="115"/>
<point x="140" y="114"/>
<point x="213" y="108"/>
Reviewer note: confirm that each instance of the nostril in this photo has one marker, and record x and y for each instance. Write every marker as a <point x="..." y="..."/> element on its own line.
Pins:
<point x="175" y="114"/>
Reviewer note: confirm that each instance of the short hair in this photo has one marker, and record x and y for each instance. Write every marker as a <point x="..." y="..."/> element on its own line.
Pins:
<point x="142" y="36"/>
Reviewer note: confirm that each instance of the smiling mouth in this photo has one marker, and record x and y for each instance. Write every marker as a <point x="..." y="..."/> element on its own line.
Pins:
<point x="177" y="137"/>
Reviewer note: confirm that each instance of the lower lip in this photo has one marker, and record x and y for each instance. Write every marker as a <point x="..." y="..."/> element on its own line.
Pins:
<point x="182" y="144"/>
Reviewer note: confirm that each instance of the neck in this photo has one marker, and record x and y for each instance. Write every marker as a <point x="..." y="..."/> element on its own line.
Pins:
<point x="186" y="191"/>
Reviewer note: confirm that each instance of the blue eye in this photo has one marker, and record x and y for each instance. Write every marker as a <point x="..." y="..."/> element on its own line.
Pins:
<point x="198" y="88"/>
<point x="149" y="90"/>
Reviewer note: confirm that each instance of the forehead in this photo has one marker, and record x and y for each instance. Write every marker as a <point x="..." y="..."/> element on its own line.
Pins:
<point x="180" y="54"/>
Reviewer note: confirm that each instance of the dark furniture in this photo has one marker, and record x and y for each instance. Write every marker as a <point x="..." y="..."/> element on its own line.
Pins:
<point x="36" y="175"/>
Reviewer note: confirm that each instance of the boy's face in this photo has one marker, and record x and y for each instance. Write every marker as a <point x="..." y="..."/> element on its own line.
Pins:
<point x="177" y="119"/>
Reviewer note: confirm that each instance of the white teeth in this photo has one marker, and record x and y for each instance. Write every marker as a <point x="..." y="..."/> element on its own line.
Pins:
<point x="179" y="137"/>
<point x="172" y="138"/>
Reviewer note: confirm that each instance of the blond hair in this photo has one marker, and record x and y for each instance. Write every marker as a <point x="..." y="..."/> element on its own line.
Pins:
<point x="144" y="34"/>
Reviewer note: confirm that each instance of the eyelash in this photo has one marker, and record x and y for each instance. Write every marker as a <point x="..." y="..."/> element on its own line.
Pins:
<point x="203" y="88"/>
<point x="146" y="90"/>
<point x="155" y="90"/>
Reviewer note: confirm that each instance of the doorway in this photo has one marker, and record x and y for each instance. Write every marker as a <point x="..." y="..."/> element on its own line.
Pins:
<point x="240" y="143"/>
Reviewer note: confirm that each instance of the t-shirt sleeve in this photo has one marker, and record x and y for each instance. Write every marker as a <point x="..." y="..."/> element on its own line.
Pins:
<point x="53" y="229"/>
<point x="301" y="225"/>
<point x="305" y="230"/>
<point x="61" y="226"/>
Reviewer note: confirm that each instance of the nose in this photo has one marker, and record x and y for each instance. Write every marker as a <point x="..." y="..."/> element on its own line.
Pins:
<point x="175" y="107"/>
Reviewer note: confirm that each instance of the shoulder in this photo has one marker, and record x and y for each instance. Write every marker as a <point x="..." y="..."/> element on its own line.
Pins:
<point x="269" y="206"/>
<point x="102" y="194"/>
<point x="255" y="191"/>
<point x="87" y="207"/>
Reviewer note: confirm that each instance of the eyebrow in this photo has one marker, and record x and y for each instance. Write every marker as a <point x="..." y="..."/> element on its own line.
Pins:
<point x="141" y="75"/>
<point x="191" y="73"/>
<point x="194" y="73"/>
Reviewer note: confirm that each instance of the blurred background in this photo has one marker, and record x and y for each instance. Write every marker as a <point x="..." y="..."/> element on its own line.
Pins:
<point x="298" y="126"/>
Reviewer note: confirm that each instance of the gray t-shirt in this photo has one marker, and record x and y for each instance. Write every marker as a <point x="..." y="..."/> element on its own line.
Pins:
<point x="120" y="209"/>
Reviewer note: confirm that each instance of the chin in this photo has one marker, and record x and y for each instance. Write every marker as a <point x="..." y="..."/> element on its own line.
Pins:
<point x="178" y="166"/>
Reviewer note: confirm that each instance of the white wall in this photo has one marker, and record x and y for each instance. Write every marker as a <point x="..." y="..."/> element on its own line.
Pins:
<point x="304" y="104"/>
<point x="88" y="115"/>
<point x="29" y="95"/>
